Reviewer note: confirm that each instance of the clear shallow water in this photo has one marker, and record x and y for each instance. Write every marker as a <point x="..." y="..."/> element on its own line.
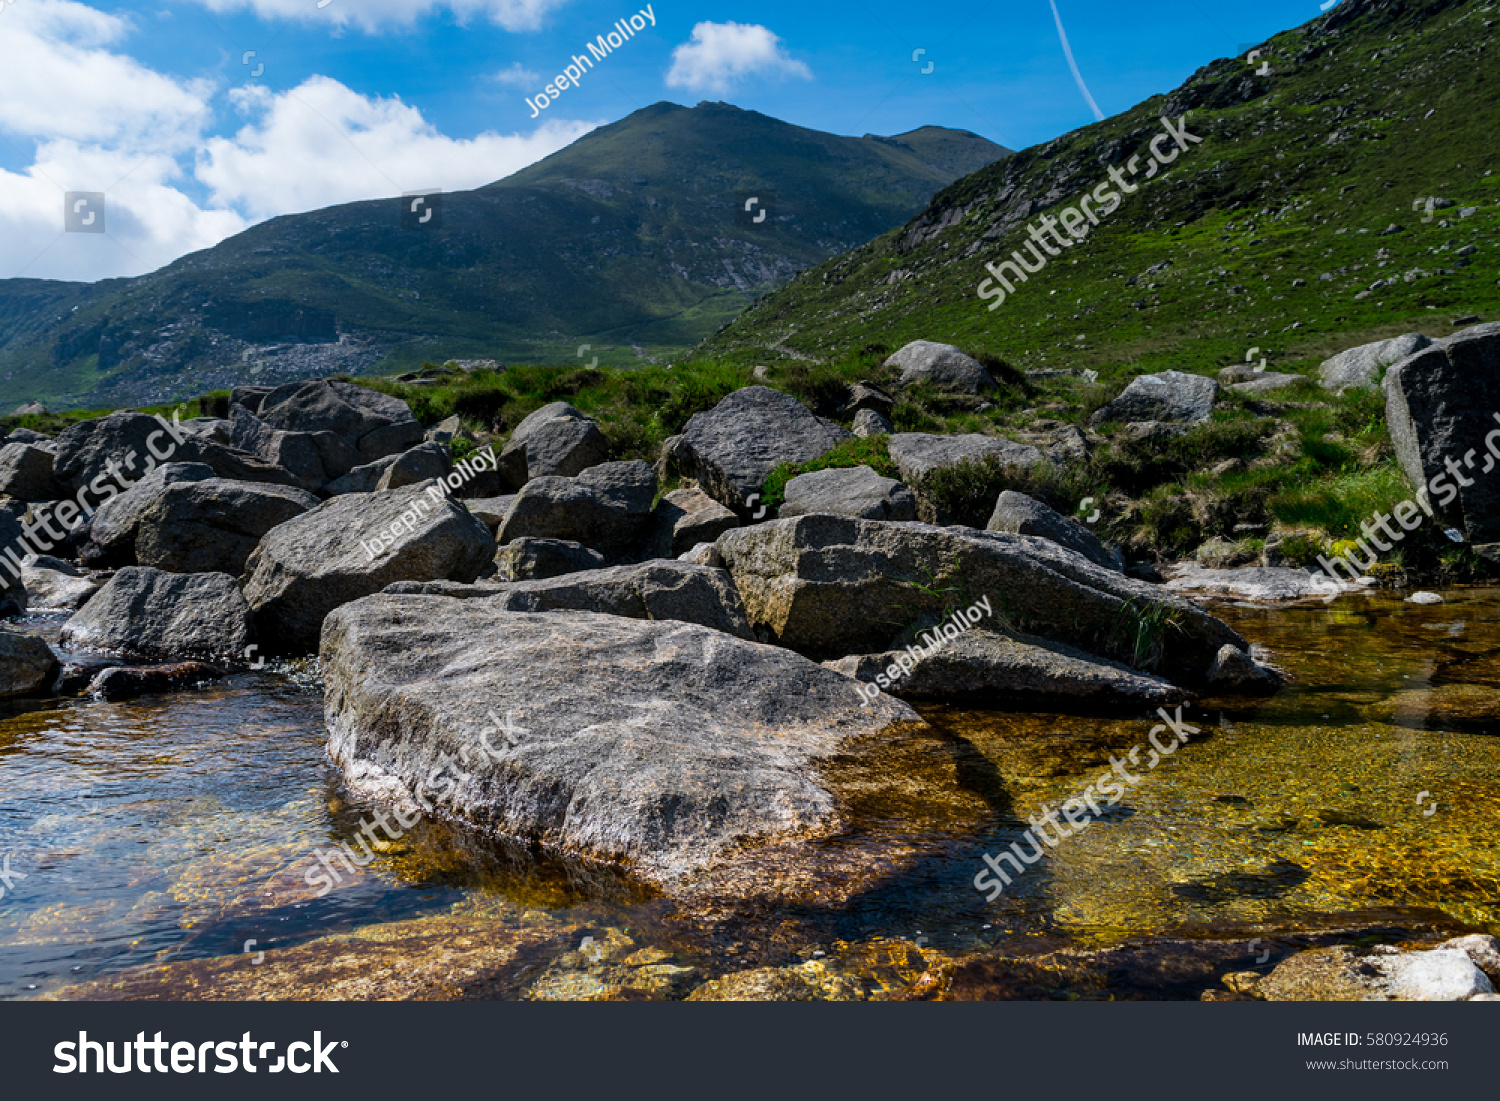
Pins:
<point x="177" y="828"/>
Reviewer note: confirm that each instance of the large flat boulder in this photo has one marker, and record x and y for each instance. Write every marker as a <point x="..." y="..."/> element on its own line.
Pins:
<point x="606" y="508"/>
<point x="1440" y="406"/>
<point x="1006" y="671"/>
<point x="555" y="441"/>
<point x="1170" y="396"/>
<point x="354" y="545"/>
<point x="1023" y="515"/>
<point x="829" y="587"/>
<point x="849" y="491"/>
<point x="1258" y="584"/>
<point x="112" y="531"/>
<point x="660" y="589"/>
<point x="211" y="526"/>
<point x="1359" y="368"/>
<point x="660" y="745"/>
<point x="733" y="447"/>
<point x="942" y="365"/>
<point x="156" y="614"/>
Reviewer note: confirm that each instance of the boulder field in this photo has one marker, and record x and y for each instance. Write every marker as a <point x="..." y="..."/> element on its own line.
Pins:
<point x="582" y="662"/>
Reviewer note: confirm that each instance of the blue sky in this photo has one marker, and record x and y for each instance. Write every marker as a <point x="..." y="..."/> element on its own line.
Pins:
<point x="158" y="106"/>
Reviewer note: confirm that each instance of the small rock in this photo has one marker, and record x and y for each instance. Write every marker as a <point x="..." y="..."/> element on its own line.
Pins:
<point x="1424" y="598"/>
<point x="120" y="682"/>
<point x="867" y="422"/>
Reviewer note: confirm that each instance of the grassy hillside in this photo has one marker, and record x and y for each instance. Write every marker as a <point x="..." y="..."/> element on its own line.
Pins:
<point x="1267" y="234"/>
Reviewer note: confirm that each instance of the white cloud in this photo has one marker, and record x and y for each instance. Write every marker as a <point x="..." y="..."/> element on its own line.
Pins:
<point x="106" y="123"/>
<point x="321" y="143"/>
<point x="517" y="75"/>
<point x="375" y="15"/>
<point x="723" y="54"/>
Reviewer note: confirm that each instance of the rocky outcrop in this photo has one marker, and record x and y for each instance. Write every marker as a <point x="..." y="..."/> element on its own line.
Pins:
<point x="352" y="546"/>
<point x="941" y="365"/>
<point x="212" y="525"/>
<point x="112" y="532"/>
<point x="27" y="665"/>
<point x="155" y="614"/>
<point x="849" y="491"/>
<point x="732" y="448"/>
<point x="661" y="745"/>
<point x="375" y="424"/>
<point x="1260" y="584"/>
<point x="1442" y="406"/>
<point x="656" y="590"/>
<point x="124" y="447"/>
<point x="26" y="473"/>
<point x="1169" y="396"/>
<point x="1006" y="671"/>
<point x="1360" y="367"/>
<point x="556" y="441"/>
<point x="686" y="517"/>
<point x="607" y="508"/>
<point x="829" y="587"/>
<point x="527" y="558"/>
<point x="1023" y="515"/>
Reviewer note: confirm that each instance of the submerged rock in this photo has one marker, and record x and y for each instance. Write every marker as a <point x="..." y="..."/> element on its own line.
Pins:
<point x="662" y="745"/>
<point x="1236" y="671"/>
<point x="120" y="682"/>
<point x="164" y="615"/>
<point x="354" y="545"/>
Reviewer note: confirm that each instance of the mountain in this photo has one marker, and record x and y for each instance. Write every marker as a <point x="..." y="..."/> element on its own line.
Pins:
<point x="634" y="239"/>
<point x="1345" y="188"/>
